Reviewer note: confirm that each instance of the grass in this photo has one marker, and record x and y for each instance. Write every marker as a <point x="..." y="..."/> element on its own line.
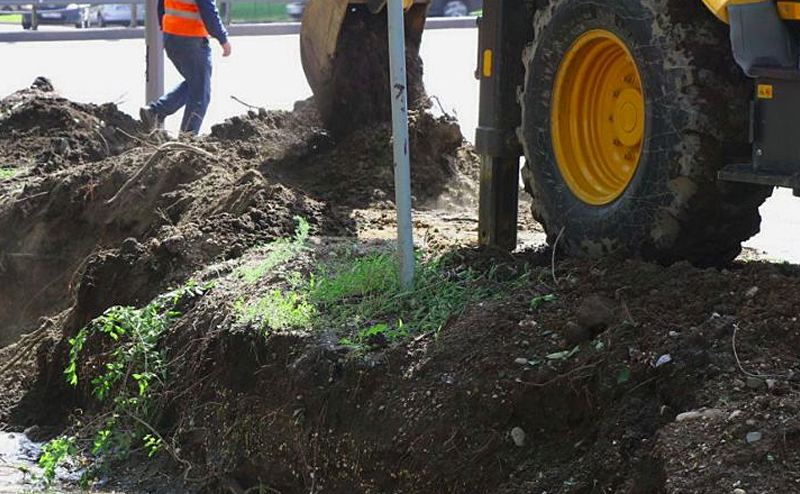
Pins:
<point x="6" y="173"/>
<point x="364" y="296"/>
<point x="360" y="295"/>
<point x="281" y="251"/>
<point x="10" y="18"/>
<point x="258" y="12"/>
<point x="279" y="310"/>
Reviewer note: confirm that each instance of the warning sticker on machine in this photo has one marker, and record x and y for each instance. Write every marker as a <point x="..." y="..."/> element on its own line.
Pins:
<point x="765" y="91"/>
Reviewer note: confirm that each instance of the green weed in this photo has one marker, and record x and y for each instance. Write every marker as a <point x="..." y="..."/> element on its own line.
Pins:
<point x="6" y="173"/>
<point x="278" y="310"/>
<point x="134" y="370"/>
<point x="54" y="454"/>
<point x="281" y="251"/>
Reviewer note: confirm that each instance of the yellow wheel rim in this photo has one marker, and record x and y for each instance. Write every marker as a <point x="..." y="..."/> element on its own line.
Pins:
<point x="598" y="117"/>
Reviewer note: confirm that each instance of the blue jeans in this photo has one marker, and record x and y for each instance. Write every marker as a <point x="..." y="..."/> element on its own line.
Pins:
<point x="192" y="57"/>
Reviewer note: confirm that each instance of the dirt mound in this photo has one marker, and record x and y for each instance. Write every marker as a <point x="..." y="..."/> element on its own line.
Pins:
<point x="45" y="132"/>
<point x="186" y="205"/>
<point x="612" y="378"/>
<point x="295" y="149"/>
<point x="587" y="377"/>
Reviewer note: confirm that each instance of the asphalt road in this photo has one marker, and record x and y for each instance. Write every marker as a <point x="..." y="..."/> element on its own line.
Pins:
<point x="266" y="72"/>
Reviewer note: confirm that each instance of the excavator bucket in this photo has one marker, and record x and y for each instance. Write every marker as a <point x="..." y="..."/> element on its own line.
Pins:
<point x="344" y="51"/>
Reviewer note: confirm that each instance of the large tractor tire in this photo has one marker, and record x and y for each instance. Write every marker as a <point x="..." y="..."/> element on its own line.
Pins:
<point x="629" y="109"/>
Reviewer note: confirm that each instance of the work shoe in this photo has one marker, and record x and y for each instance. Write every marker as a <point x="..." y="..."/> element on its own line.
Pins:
<point x="149" y="118"/>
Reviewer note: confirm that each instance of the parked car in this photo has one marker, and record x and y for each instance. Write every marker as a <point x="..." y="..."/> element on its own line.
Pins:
<point x="114" y="14"/>
<point x="47" y="13"/>
<point x="454" y="8"/>
<point x="439" y="8"/>
<point x="295" y="9"/>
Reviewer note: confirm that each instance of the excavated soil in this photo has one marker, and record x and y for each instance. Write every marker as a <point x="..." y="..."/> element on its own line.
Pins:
<point x="591" y="377"/>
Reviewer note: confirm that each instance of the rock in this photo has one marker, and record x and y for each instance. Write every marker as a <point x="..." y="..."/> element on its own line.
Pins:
<point x="705" y="413"/>
<point x="662" y="360"/>
<point x="771" y="383"/>
<point x="753" y="437"/>
<point x="63" y="146"/>
<point x="521" y="361"/>
<point x="721" y="326"/>
<point x="755" y="383"/>
<point x="33" y="432"/>
<point x="751" y="292"/>
<point x="735" y="414"/>
<point x="43" y="84"/>
<point x="575" y="334"/>
<point x="739" y="491"/>
<point x="518" y="436"/>
<point x="596" y="313"/>
<point x="738" y="383"/>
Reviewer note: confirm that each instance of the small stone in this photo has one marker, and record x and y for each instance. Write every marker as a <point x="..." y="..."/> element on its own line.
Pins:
<point x="525" y="343"/>
<point x="674" y="334"/>
<point x="575" y="334"/>
<point x="738" y="383"/>
<point x="735" y="414"/>
<point x="521" y="361"/>
<point x="739" y="491"/>
<point x="33" y="433"/>
<point x="751" y="292"/>
<point x="707" y="413"/>
<point x="771" y="383"/>
<point x="63" y="146"/>
<point x="753" y="437"/>
<point x="518" y="436"/>
<point x="755" y="383"/>
<point x="750" y="422"/>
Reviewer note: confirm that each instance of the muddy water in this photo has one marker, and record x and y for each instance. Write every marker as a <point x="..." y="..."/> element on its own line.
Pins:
<point x="18" y="468"/>
<point x="17" y="457"/>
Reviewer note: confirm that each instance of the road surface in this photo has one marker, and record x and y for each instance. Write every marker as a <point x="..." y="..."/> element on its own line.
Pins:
<point x="266" y="72"/>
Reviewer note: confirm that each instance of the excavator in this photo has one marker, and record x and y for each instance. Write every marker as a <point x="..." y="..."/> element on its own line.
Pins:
<point x="648" y="128"/>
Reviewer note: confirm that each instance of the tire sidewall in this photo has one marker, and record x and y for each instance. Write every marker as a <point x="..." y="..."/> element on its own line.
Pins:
<point x="629" y="219"/>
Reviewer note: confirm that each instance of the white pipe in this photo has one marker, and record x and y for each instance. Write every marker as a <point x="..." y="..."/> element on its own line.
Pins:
<point x="154" y="71"/>
<point x="402" y="166"/>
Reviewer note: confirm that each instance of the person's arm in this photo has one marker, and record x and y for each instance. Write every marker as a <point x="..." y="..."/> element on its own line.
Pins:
<point x="210" y="15"/>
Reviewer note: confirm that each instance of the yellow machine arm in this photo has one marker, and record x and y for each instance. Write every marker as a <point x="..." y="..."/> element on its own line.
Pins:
<point x="788" y="10"/>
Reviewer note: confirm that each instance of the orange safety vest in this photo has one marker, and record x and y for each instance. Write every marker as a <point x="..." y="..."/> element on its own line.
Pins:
<point x="182" y="17"/>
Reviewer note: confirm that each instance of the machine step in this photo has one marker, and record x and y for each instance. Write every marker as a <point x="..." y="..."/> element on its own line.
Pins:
<point x="747" y="173"/>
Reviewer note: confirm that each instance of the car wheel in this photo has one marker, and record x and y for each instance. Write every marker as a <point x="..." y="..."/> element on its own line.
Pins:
<point x="455" y="8"/>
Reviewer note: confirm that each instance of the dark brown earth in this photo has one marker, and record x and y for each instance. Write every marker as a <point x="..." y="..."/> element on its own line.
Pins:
<point x="584" y="393"/>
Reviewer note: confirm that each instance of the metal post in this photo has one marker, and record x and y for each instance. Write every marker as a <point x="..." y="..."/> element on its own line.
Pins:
<point x="34" y="18"/>
<point x="402" y="166"/>
<point x="228" y="12"/>
<point x="154" y="74"/>
<point x="134" y="15"/>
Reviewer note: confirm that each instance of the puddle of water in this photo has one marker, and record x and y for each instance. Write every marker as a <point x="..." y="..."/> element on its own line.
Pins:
<point x="18" y="455"/>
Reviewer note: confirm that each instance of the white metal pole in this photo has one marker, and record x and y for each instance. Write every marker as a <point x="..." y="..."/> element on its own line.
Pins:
<point x="154" y="74"/>
<point x="402" y="167"/>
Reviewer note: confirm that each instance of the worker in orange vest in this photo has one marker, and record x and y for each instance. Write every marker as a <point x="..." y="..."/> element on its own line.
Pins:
<point x="187" y="24"/>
